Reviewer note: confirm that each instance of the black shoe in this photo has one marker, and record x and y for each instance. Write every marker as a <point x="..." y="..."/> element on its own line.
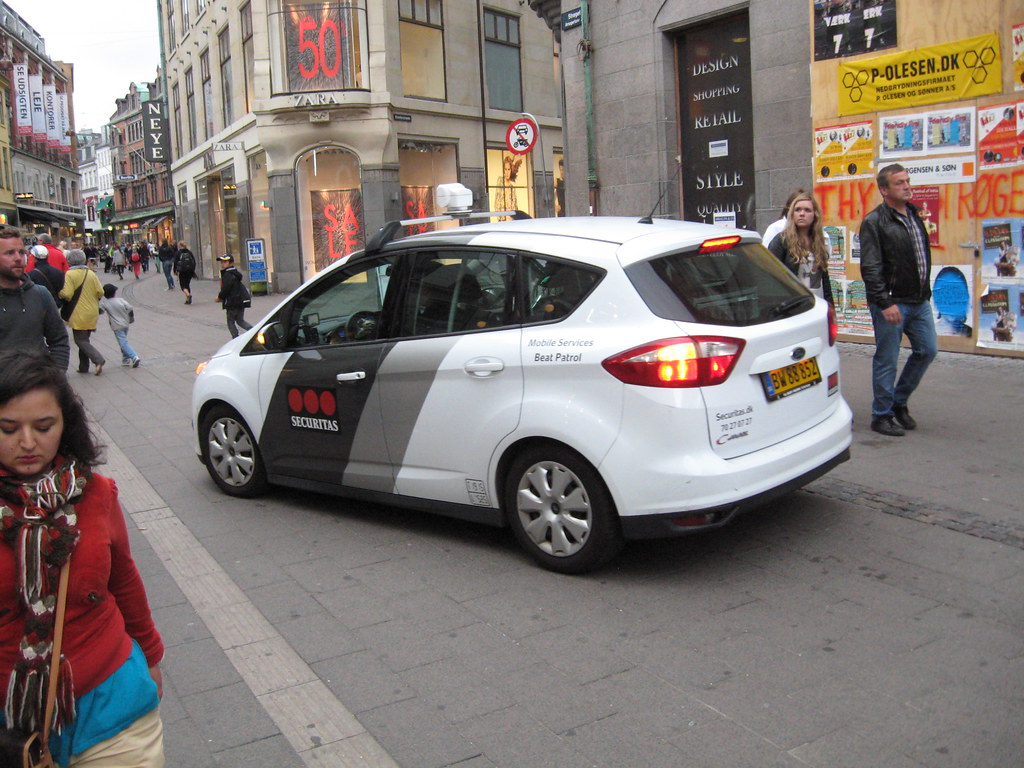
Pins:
<point x="902" y="415"/>
<point x="886" y="426"/>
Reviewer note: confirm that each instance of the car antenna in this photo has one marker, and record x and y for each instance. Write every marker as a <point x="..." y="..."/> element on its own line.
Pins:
<point x="647" y="219"/>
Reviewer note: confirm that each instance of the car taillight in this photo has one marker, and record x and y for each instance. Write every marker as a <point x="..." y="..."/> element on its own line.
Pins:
<point x="687" y="361"/>
<point x="833" y="326"/>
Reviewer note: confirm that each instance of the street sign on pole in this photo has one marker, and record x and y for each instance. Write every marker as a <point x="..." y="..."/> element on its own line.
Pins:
<point x="256" y="256"/>
<point x="521" y="136"/>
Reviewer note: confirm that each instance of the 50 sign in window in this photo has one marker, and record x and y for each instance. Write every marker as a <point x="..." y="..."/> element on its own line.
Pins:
<point x="322" y="46"/>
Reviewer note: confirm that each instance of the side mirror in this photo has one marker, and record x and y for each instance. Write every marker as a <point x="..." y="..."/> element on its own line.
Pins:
<point x="271" y="336"/>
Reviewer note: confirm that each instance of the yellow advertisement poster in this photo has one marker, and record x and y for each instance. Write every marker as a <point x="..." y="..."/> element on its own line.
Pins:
<point x="963" y="69"/>
<point x="844" y="152"/>
<point x="1018" y="57"/>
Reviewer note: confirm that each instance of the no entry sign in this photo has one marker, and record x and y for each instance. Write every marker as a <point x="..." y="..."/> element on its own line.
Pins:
<point x="521" y="136"/>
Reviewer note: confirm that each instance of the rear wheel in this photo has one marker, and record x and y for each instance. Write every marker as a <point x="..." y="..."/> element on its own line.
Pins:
<point x="560" y="510"/>
<point x="231" y="454"/>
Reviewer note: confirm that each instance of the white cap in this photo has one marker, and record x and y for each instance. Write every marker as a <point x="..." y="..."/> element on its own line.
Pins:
<point x="40" y="252"/>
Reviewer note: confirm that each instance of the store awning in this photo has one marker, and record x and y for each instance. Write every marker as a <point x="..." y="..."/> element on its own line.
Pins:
<point x="46" y="216"/>
<point x="104" y="203"/>
<point x="143" y="217"/>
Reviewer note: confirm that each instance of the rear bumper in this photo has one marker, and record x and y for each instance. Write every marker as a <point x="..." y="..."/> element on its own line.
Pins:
<point x="690" y="521"/>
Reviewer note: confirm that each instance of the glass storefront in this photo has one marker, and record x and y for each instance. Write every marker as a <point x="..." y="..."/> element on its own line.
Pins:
<point x="330" y="204"/>
<point x="508" y="181"/>
<point x="422" y="166"/>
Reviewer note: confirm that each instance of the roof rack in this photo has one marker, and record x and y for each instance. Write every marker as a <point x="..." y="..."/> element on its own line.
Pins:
<point x="392" y="230"/>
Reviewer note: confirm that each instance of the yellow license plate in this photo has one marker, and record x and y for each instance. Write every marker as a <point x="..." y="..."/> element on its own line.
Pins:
<point x="783" y="382"/>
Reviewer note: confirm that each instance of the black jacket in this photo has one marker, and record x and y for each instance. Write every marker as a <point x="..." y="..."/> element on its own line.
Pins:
<point x="51" y="278"/>
<point x="778" y="248"/>
<point x="233" y="293"/>
<point x="887" y="261"/>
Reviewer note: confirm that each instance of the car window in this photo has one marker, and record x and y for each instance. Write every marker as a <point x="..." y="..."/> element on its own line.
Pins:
<point x="555" y="288"/>
<point x="344" y="307"/>
<point x="456" y="292"/>
<point x="743" y="285"/>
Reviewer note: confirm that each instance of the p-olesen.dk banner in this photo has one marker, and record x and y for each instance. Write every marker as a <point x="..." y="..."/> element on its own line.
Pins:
<point x="964" y="69"/>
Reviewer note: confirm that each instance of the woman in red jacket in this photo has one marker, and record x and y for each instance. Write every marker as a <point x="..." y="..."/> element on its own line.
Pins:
<point x="52" y="507"/>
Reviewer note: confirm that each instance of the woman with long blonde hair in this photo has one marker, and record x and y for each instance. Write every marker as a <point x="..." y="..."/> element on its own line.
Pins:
<point x="801" y="246"/>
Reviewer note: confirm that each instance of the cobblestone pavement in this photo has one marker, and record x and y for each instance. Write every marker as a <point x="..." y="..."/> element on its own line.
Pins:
<point x="873" y="619"/>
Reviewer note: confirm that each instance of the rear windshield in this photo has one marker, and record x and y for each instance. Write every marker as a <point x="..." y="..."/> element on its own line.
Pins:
<point x="745" y="285"/>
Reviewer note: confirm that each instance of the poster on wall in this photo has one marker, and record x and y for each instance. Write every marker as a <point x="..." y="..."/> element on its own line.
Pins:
<point x="717" y="124"/>
<point x="836" y="241"/>
<point x="1001" y="248"/>
<point x="941" y="170"/>
<point x="964" y="69"/>
<point x="997" y="136"/>
<point x="999" y="310"/>
<point x="337" y="224"/>
<point x="418" y="203"/>
<point x="850" y="27"/>
<point x="902" y="136"/>
<point x="951" y="299"/>
<point x="928" y="200"/>
<point x="852" y="311"/>
<point x="1018" y="57"/>
<point x="843" y="152"/>
<point x="950" y="130"/>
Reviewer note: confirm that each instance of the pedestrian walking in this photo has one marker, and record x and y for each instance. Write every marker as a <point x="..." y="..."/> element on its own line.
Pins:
<point x="185" y="269"/>
<point x="135" y="258"/>
<point x="166" y="255"/>
<point x="63" y="524"/>
<point x="117" y="260"/>
<point x="120" y="314"/>
<point x="895" y="263"/>
<point x="233" y="296"/>
<point x="46" y="275"/>
<point x="29" y="319"/>
<point x="82" y="289"/>
<point x="144" y="254"/>
<point x="57" y="258"/>
<point x="801" y="245"/>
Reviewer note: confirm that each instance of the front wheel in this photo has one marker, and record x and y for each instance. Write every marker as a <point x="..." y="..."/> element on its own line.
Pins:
<point x="560" y="511"/>
<point x="231" y="454"/>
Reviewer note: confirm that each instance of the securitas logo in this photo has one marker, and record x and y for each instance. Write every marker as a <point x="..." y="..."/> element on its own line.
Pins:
<point x="313" y="408"/>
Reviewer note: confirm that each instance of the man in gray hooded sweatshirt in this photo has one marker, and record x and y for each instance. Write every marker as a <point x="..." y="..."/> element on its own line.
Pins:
<point x="28" y="314"/>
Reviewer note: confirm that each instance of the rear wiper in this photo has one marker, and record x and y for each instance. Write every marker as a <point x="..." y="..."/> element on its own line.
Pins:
<point x="788" y="306"/>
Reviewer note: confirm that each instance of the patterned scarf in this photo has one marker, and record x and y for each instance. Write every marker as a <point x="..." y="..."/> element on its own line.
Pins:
<point x="39" y="523"/>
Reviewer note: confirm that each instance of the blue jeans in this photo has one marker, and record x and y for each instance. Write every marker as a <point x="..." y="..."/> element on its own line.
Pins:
<point x="127" y="353"/>
<point x="919" y="326"/>
<point x="167" y="266"/>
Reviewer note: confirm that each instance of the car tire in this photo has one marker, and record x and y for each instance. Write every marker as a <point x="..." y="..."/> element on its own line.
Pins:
<point x="231" y="454"/>
<point x="560" y="510"/>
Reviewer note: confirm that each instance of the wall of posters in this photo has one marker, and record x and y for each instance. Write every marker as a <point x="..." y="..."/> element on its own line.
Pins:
<point x="1000" y="304"/>
<point x="849" y="27"/>
<point x="845" y="151"/>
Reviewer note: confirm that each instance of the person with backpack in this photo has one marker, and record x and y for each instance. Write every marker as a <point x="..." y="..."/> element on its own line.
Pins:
<point x="233" y="296"/>
<point x="185" y="269"/>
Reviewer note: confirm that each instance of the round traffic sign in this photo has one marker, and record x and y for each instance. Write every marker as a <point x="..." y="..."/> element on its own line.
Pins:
<point x="521" y="136"/>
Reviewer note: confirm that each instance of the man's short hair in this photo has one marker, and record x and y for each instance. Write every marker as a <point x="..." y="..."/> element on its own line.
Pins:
<point x="76" y="257"/>
<point x="885" y="173"/>
<point x="44" y="238"/>
<point x="6" y="233"/>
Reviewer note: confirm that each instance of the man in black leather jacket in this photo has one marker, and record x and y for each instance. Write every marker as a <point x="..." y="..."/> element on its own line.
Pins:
<point x="895" y="262"/>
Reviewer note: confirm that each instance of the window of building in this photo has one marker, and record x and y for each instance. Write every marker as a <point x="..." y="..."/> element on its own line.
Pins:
<point x="329" y="190"/>
<point x="204" y="73"/>
<point x="421" y="167"/>
<point x="226" y="93"/>
<point x="501" y="54"/>
<point x="508" y="181"/>
<point x="183" y="194"/>
<point x="172" y="38"/>
<point x="190" y="108"/>
<point x="200" y="6"/>
<point x="124" y="198"/>
<point x="184" y="16"/>
<point x="176" y="105"/>
<point x="324" y="46"/>
<point x="248" y="54"/>
<point x="422" y="33"/>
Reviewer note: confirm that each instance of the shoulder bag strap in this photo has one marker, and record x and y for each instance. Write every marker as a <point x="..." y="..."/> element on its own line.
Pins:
<point x="73" y="302"/>
<point x="58" y="640"/>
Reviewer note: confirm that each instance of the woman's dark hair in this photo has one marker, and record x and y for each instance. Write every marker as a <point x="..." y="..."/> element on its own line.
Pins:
<point x="21" y="372"/>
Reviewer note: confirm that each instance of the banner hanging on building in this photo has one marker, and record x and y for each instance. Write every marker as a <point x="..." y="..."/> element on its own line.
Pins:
<point x="64" y="121"/>
<point x="964" y="69"/>
<point x="22" y="100"/>
<point x="155" y="139"/>
<point x="50" y="115"/>
<point x="35" y="85"/>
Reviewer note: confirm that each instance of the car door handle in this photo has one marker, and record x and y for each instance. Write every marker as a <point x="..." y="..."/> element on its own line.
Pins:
<point x="350" y="376"/>
<point x="484" y="366"/>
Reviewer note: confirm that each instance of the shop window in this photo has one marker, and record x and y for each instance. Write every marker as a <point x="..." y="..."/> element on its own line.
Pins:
<point x="508" y="181"/>
<point x="422" y="166"/>
<point x="422" y="31"/>
<point x="330" y="199"/>
<point x="324" y="45"/>
<point x="226" y="92"/>
<point x="501" y="54"/>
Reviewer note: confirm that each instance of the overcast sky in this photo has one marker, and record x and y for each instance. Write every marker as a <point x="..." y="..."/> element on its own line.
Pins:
<point x="112" y="44"/>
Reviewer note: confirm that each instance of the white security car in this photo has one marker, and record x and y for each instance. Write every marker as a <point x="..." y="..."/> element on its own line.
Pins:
<point x="582" y="380"/>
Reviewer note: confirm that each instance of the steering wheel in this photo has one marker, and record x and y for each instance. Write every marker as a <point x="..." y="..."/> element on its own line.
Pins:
<point x="361" y="326"/>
